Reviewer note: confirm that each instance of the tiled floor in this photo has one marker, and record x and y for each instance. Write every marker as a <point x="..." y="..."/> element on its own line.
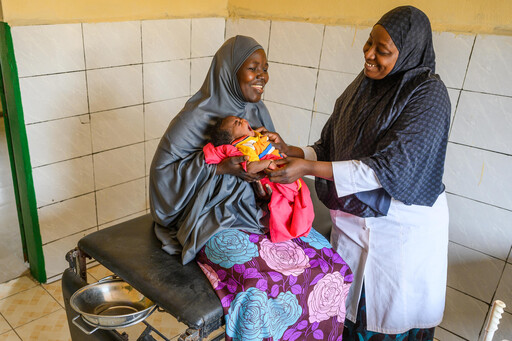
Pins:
<point x="31" y="311"/>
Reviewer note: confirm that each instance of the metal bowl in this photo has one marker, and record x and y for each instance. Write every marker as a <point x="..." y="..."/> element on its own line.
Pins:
<point x="111" y="303"/>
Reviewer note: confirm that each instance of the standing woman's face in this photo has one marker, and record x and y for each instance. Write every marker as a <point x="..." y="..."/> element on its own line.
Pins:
<point x="252" y="76"/>
<point x="380" y="54"/>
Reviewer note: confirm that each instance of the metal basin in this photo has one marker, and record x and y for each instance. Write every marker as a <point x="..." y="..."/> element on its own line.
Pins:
<point x="111" y="303"/>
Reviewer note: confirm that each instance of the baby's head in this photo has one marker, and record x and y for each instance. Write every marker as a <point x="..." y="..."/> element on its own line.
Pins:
<point x="229" y="129"/>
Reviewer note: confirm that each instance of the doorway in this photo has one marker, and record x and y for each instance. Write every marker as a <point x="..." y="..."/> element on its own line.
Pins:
<point x="12" y="260"/>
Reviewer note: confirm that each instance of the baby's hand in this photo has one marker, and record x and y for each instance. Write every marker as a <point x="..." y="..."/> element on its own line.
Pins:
<point x="271" y="165"/>
<point x="261" y="130"/>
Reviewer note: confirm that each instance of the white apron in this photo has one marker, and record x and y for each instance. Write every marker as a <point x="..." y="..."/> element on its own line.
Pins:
<point x="402" y="258"/>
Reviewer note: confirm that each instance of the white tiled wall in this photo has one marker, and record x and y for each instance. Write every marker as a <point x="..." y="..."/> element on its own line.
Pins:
<point x="97" y="98"/>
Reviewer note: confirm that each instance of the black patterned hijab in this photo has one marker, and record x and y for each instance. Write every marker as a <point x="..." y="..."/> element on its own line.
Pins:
<point x="398" y="125"/>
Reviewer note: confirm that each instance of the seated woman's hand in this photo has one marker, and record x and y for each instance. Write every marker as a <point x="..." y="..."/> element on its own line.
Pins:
<point x="288" y="170"/>
<point x="232" y="166"/>
<point x="262" y="192"/>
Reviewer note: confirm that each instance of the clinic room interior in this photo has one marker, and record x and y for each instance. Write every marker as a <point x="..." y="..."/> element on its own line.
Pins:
<point x="95" y="83"/>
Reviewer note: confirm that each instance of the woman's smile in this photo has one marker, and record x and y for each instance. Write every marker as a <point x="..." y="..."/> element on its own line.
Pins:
<point x="258" y="88"/>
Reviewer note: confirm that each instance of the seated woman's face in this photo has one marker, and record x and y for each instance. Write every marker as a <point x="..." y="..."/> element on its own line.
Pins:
<point x="252" y="76"/>
<point x="380" y="53"/>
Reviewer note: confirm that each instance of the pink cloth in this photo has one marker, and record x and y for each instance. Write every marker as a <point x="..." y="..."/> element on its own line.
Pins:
<point x="290" y="206"/>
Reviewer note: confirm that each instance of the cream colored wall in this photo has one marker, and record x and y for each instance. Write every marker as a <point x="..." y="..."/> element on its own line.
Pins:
<point x="30" y="12"/>
<point x="475" y="16"/>
<point x="470" y="16"/>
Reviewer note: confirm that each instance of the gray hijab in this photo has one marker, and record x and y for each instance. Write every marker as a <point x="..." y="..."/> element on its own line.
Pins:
<point x="189" y="203"/>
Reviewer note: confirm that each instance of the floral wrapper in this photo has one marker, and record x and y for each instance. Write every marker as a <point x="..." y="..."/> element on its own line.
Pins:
<point x="293" y="290"/>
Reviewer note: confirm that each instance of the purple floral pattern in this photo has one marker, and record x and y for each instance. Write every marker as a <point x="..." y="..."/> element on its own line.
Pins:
<point x="289" y="291"/>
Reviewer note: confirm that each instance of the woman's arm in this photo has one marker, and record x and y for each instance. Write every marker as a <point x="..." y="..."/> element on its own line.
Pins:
<point x="292" y="168"/>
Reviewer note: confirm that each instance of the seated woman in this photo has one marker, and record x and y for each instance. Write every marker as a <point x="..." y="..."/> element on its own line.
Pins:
<point x="290" y="206"/>
<point x="294" y="290"/>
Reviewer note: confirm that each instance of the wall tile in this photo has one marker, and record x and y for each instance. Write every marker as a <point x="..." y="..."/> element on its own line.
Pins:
<point x="504" y="292"/>
<point x="158" y="115"/>
<point x="454" y="99"/>
<point x="480" y="226"/>
<point x="117" y="128"/>
<point x="452" y="56"/>
<point x="444" y="335"/>
<point x="504" y="331"/>
<point x="54" y="252"/>
<point x="257" y="29"/>
<point x="198" y="69"/>
<point x="304" y="39"/>
<point x="330" y="86"/>
<point x="166" y="80"/>
<point x="343" y="48"/>
<point x="463" y="315"/>
<point x="292" y="85"/>
<point x="150" y="149"/>
<point x="114" y="87"/>
<point x="120" y="165"/>
<point x="473" y="272"/>
<point x="484" y="121"/>
<point x="317" y="124"/>
<point x="67" y="217"/>
<point x="44" y="49"/>
<point x="122" y="220"/>
<point x="164" y="40"/>
<point x="121" y="200"/>
<point x="147" y="195"/>
<point x="112" y="44"/>
<point x="207" y="36"/>
<point x="53" y="96"/>
<point x="59" y="140"/>
<point x="63" y="180"/>
<point x="474" y="173"/>
<point x="293" y="124"/>
<point x="489" y="68"/>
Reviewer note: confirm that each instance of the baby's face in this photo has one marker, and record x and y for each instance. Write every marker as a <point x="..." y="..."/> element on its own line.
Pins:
<point x="237" y="126"/>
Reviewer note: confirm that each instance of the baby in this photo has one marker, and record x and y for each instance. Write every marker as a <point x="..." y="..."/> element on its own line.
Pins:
<point x="237" y="132"/>
<point x="290" y="206"/>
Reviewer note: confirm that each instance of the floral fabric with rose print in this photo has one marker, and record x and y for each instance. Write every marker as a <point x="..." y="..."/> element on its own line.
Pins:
<point x="293" y="290"/>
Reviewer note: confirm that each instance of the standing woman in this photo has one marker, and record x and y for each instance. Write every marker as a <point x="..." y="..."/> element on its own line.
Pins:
<point x="379" y="165"/>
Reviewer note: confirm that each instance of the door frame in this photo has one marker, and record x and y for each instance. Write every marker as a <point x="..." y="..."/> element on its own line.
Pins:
<point x="19" y="156"/>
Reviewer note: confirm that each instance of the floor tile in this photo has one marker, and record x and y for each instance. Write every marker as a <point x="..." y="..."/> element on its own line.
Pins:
<point x="55" y="290"/>
<point x="50" y="327"/>
<point x="16" y="285"/>
<point x="216" y="333"/>
<point x="166" y="324"/>
<point x="96" y="273"/>
<point x="4" y="326"/>
<point x="163" y="322"/>
<point x="9" y="336"/>
<point x="27" y="306"/>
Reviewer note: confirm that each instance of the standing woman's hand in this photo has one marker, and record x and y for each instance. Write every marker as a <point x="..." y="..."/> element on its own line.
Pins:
<point x="278" y="142"/>
<point x="232" y="166"/>
<point x="289" y="170"/>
